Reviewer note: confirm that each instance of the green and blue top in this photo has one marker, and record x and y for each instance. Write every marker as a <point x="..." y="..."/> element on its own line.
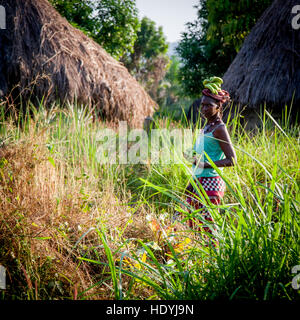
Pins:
<point x="207" y="143"/>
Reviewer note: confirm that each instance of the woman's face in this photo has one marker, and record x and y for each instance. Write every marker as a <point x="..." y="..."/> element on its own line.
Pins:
<point x="209" y="107"/>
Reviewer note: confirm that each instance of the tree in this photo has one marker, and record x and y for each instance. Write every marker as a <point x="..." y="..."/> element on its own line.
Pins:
<point x="111" y="23"/>
<point x="170" y="89"/>
<point x="78" y="13"/>
<point x="212" y="41"/>
<point x="148" y="61"/>
<point x="118" y="25"/>
<point x="231" y="21"/>
<point x="193" y="53"/>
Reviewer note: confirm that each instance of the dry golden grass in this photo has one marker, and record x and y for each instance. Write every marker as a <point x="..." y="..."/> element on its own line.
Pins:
<point x="44" y="211"/>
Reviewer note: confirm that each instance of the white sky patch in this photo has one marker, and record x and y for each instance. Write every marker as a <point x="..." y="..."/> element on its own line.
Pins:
<point x="172" y="15"/>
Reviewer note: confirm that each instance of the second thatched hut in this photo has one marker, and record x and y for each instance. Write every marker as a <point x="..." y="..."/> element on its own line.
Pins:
<point x="266" y="71"/>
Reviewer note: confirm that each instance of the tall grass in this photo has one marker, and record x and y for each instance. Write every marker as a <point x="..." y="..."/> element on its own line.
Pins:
<point x="257" y="226"/>
<point x="93" y="217"/>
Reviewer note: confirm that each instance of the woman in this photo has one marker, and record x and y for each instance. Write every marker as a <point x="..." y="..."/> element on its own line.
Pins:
<point x="216" y="143"/>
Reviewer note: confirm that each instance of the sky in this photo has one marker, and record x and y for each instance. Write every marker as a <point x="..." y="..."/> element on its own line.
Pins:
<point x="170" y="14"/>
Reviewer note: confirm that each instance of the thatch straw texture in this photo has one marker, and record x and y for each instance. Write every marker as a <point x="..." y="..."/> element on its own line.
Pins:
<point x="47" y="57"/>
<point x="267" y="68"/>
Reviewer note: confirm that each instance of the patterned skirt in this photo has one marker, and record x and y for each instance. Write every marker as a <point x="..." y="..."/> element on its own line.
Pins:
<point x="215" y="189"/>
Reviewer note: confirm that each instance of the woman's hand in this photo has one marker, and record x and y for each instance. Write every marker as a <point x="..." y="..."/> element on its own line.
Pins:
<point x="188" y="155"/>
<point x="198" y="163"/>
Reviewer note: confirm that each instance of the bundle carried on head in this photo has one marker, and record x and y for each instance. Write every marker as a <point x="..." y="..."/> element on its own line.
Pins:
<point x="213" y="89"/>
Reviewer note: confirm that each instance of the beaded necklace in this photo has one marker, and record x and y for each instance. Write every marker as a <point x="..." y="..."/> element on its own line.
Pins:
<point x="209" y="125"/>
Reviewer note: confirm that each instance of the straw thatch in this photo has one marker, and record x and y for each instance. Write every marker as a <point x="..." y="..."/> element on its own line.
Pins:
<point x="42" y="54"/>
<point x="267" y="68"/>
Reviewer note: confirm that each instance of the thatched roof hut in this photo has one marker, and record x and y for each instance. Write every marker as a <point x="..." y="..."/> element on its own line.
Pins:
<point x="267" y="68"/>
<point x="42" y="54"/>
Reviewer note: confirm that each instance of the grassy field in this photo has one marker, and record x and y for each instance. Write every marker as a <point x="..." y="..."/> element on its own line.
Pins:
<point x="73" y="228"/>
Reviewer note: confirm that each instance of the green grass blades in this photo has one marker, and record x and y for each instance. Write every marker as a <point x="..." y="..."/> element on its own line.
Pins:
<point x="92" y="230"/>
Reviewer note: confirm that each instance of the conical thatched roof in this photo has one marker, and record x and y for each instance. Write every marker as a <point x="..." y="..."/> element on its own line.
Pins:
<point x="267" y="68"/>
<point x="48" y="57"/>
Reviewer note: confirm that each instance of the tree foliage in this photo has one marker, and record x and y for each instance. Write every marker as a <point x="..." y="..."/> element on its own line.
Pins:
<point x="148" y="61"/>
<point x="170" y="89"/>
<point x="194" y="53"/>
<point x="210" y="43"/>
<point x="118" y="25"/>
<point x="111" y="23"/>
<point x="78" y="13"/>
<point x="149" y="44"/>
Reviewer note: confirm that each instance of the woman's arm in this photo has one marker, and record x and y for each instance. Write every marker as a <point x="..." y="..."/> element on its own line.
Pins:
<point x="223" y="137"/>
